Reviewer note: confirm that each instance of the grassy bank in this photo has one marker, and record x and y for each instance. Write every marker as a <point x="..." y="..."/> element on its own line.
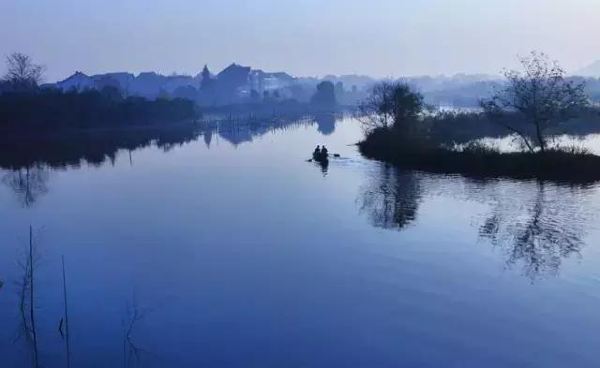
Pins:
<point x="478" y="161"/>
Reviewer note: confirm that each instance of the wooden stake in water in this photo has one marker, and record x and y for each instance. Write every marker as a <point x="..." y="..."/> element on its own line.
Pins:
<point x="31" y="298"/>
<point x="68" y="345"/>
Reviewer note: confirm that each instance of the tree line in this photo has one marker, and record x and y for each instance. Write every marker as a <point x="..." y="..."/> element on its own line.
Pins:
<point x="532" y="105"/>
<point x="26" y="107"/>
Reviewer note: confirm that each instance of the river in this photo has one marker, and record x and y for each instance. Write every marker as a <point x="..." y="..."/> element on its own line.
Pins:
<point x="228" y="249"/>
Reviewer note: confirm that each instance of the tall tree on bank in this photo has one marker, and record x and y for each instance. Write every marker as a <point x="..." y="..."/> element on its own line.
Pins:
<point x="324" y="97"/>
<point x="22" y="74"/>
<point x="538" y="95"/>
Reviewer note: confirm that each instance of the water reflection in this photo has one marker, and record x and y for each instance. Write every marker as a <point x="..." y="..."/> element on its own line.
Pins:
<point x="89" y="148"/>
<point x="321" y="164"/>
<point x="36" y="341"/>
<point x="207" y="137"/>
<point x="194" y="255"/>
<point x="325" y="123"/>
<point x="238" y="130"/>
<point x="28" y="183"/>
<point x="536" y="229"/>
<point x="132" y="352"/>
<point x="27" y="304"/>
<point x="96" y="148"/>
<point x="537" y="225"/>
<point x="28" y="161"/>
<point x="391" y="198"/>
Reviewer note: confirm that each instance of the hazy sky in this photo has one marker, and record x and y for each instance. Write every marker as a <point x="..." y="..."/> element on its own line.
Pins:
<point x="304" y="37"/>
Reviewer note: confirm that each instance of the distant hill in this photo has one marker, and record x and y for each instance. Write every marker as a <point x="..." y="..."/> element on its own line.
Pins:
<point x="592" y="70"/>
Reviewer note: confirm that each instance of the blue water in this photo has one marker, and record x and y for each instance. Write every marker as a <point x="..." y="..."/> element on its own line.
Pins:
<point x="239" y="253"/>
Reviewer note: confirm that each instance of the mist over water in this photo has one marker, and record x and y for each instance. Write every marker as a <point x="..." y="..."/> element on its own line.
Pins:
<point x="224" y="247"/>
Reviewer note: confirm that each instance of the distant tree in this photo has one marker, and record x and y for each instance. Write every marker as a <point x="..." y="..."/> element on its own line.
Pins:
<point x="325" y="95"/>
<point x="391" y="105"/>
<point x="540" y="96"/>
<point x="339" y="90"/>
<point x="22" y="74"/>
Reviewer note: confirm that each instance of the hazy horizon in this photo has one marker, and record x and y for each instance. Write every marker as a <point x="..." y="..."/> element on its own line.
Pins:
<point x="382" y="39"/>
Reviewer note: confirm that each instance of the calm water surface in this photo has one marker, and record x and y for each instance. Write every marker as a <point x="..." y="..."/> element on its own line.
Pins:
<point x="230" y="250"/>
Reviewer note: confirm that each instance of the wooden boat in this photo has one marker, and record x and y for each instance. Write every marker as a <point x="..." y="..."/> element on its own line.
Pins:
<point x="320" y="157"/>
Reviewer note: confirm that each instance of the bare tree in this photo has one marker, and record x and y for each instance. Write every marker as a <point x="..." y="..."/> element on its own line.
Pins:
<point x="540" y="96"/>
<point x="27" y="298"/>
<point x="390" y="104"/>
<point x="375" y="111"/>
<point x="22" y="74"/>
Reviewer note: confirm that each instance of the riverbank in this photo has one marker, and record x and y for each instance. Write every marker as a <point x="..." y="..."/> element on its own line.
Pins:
<point x="566" y="165"/>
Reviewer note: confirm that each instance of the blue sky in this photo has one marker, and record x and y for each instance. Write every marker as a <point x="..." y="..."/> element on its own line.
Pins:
<point x="304" y="37"/>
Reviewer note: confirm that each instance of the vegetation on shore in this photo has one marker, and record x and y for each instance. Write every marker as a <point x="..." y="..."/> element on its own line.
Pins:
<point x="27" y="108"/>
<point x="477" y="160"/>
<point x="45" y="111"/>
<point x="531" y="106"/>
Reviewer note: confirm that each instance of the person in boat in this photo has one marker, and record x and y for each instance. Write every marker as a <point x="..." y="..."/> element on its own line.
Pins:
<point x="317" y="151"/>
<point x="324" y="151"/>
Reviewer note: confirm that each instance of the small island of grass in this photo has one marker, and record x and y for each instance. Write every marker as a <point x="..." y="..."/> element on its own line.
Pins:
<point x="531" y="104"/>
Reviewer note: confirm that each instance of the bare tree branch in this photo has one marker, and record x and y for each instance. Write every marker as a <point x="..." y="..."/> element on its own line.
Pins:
<point x="22" y="74"/>
<point x="539" y="95"/>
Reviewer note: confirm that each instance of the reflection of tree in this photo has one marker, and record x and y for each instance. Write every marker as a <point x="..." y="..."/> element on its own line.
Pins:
<point x="207" y="137"/>
<point x="28" y="184"/>
<point x="536" y="225"/>
<point x="83" y="147"/>
<point x="391" y="198"/>
<point x="238" y="130"/>
<point x="325" y="123"/>
<point x="132" y="353"/>
<point x="27" y="296"/>
<point x="541" y="236"/>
